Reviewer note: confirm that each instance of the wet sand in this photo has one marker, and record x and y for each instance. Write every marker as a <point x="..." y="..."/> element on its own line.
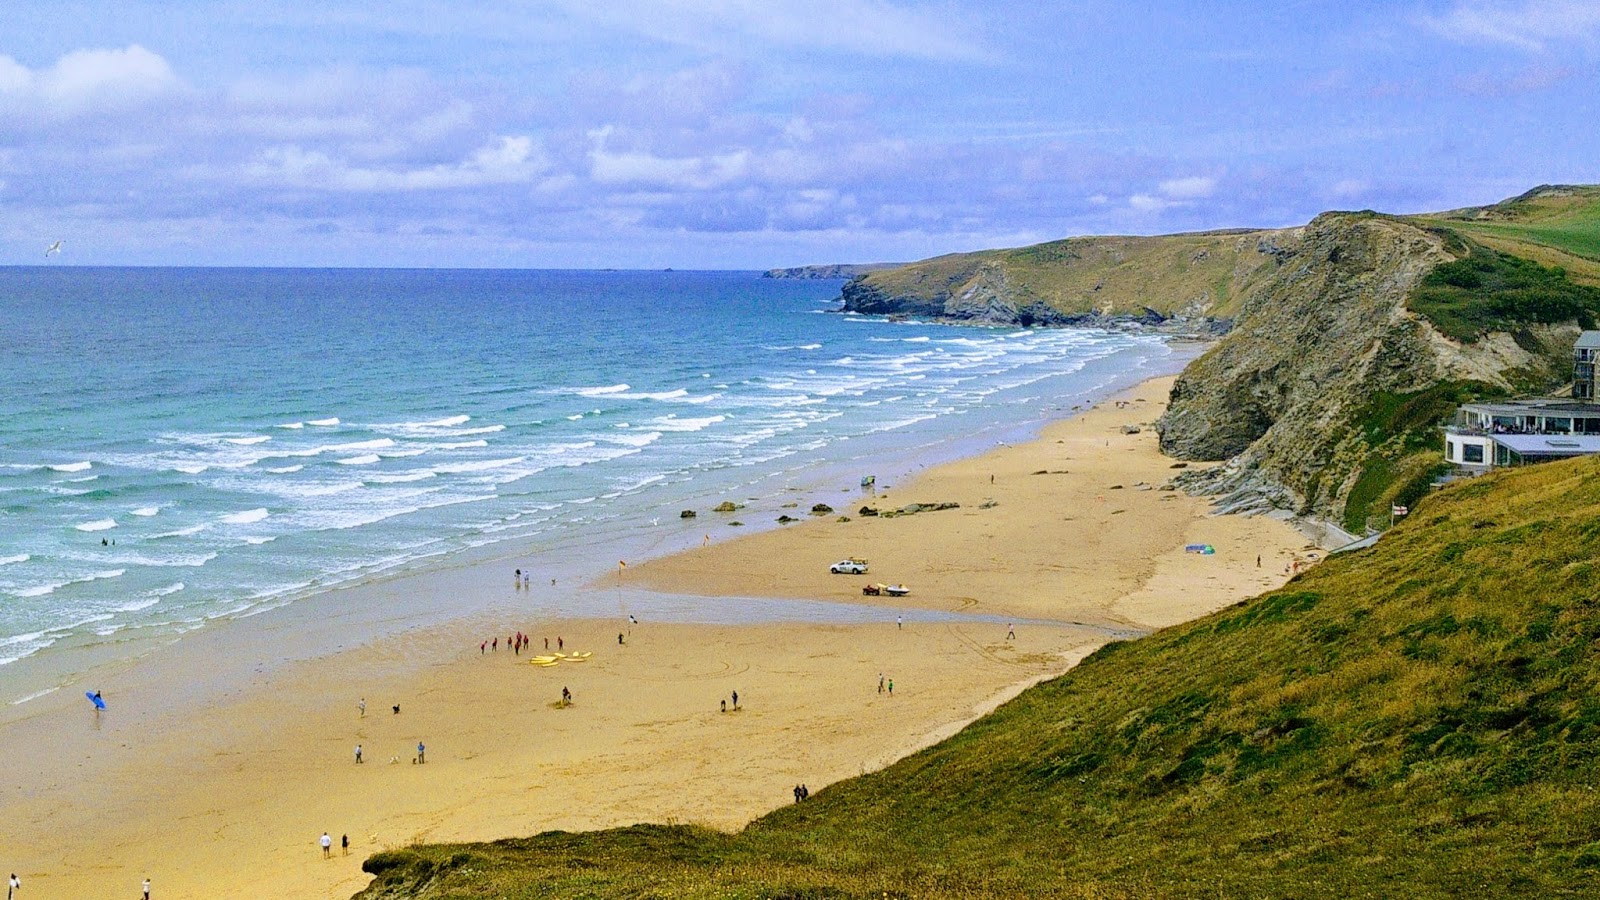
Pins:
<point x="217" y="791"/>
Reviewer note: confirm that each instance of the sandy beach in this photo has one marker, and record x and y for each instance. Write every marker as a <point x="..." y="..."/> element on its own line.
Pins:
<point x="227" y="796"/>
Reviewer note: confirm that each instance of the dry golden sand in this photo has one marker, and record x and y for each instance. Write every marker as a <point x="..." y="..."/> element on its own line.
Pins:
<point x="1093" y="539"/>
<point x="229" y="801"/>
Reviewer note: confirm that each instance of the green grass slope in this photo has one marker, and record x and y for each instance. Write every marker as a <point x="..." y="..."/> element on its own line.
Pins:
<point x="1556" y="225"/>
<point x="1197" y="274"/>
<point x="1421" y="719"/>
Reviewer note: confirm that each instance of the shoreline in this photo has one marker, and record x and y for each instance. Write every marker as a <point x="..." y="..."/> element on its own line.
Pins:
<point x="277" y="743"/>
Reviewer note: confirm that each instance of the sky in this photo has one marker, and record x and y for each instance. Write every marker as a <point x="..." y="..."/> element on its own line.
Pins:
<point x="747" y="134"/>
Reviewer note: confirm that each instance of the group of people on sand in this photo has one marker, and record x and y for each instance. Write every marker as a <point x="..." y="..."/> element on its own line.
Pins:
<point x="521" y="579"/>
<point x="735" y="703"/>
<point x="517" y="642"/>
<point x="801" y="792"/>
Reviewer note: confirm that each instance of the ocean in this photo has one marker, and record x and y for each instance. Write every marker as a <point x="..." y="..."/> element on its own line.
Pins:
<point x="179" y="446"/>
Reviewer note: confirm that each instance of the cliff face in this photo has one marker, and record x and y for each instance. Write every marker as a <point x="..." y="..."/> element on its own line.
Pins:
<point x="1181" y="282"/>
<point x="1324" y="397"/>
<point x="828" y="271"/>
<point x="1348" y="339"/>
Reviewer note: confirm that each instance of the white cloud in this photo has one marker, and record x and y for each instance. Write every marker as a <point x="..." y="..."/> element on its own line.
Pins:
<point x="867" y="27"/>
<point x="509" y="160"/>
<point x="1192" y="188"/>
<point x="1146" y="203"/>
<point x="1528" y="24"/>
<point x="86" y="81"/>
<point x="640" y="167"/>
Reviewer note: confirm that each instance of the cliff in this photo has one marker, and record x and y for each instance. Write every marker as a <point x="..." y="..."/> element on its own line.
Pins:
<point x="1325" y="399"/>
<point x="831" y="270"/>
<point x="1182" y="282"/>
<point x="1348" y="339"/>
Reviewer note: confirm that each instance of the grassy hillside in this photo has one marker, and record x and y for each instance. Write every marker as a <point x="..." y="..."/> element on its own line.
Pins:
<point x="1556" y="225"/>
<point x="1421" y="719"/>
<point x="1200" y="274"/>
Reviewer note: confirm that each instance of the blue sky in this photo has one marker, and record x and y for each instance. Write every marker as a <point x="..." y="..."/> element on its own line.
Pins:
<point x="757" y="133"/>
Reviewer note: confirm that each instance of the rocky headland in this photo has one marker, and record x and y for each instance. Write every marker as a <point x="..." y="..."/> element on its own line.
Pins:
<point x="1343" y="342"/>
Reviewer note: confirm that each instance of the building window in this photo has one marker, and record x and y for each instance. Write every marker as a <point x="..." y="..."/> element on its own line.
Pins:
<point x="1472" y="453"/>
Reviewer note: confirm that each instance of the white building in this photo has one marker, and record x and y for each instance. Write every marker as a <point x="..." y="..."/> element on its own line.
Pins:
<point x="1518" y="432"/>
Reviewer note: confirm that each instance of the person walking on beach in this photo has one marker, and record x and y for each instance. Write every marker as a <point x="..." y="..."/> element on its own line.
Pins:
<point x="344" y="844"/>
<point x="880" y="682"/>
<point x="797" y="793"/>
<point x="1011" y="632"/>
<point x="724" y="704"/>
<point x="483" y="647"/>
<point x="547" y="643"/>
<point x="566" y="696"/>
<point x="422" y="753"/>
<point x="327" y="845"/>
<point x="361" y="707"/>
<point x="735" y="701"/>
<point x="12" y="886"/>
<point x="516" y="578"/>
<point x="358" y="754"/>
<point x="619" y="639"/>
<point x="146" y="888"/>
<point x="891" y="687"/>
<point x="900" y="622"/>
<point x="560" y="644"/>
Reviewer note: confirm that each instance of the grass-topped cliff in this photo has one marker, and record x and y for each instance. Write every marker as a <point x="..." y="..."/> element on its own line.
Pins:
<point x="1327" y="395"/>
<point x="1196" y="278"/>
<point x="1421" y="719"/>
<point x="1351" y="336"/>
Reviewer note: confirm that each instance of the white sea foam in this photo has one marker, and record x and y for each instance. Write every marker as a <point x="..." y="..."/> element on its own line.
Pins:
<point x="169" y="589"/>
<point x="478" y="466"/>
<point x="637" y="439"/>
<point x="286" y="470"/>
<point x="374" y="444"/>
<point x="97" y="525"/>
<point x="45" y="589"/>
<point x="246" y="441"/>
<point x="146" y="511"/>
<point x="402" y="454"/>
<point x="326" y="423"/>
<point x="259" y="540"/>
<point x="403" y="477"/>
<point x="33" y="696"/>
<point x="246" y="517"/>
<point x="601" y="391"/>
<point x="462" y="445"/>
<point x="181" y="532"/>
<point x="293" y="425"/>
<point x="657" y="395"/>
<point x="8" y="560"/>
<point x="487" y="429"/>
<point x="437" y="423"/>
<point x="70" y="467"/>
<point x="673" y="423"/>
<point x="190" y="469"/>
<point x="365" y="460"/>
<point x="574" y="418"/>
<point x="303" y="490"/>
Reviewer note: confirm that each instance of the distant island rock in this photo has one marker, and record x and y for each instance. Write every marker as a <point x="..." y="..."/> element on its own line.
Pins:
<point x="834" y="270"/>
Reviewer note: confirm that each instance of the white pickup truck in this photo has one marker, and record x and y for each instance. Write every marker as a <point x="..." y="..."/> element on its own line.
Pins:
<point x="850" y="566"/>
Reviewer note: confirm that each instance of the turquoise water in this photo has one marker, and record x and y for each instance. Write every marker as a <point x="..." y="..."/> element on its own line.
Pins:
<point x="183" y="445"/>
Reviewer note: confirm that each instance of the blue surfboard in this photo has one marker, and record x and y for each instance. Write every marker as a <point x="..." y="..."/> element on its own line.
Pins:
<point x="95" y="699"/>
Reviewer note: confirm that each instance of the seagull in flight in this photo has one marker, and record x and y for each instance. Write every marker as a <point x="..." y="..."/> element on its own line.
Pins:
<point x="53" y="249"/>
